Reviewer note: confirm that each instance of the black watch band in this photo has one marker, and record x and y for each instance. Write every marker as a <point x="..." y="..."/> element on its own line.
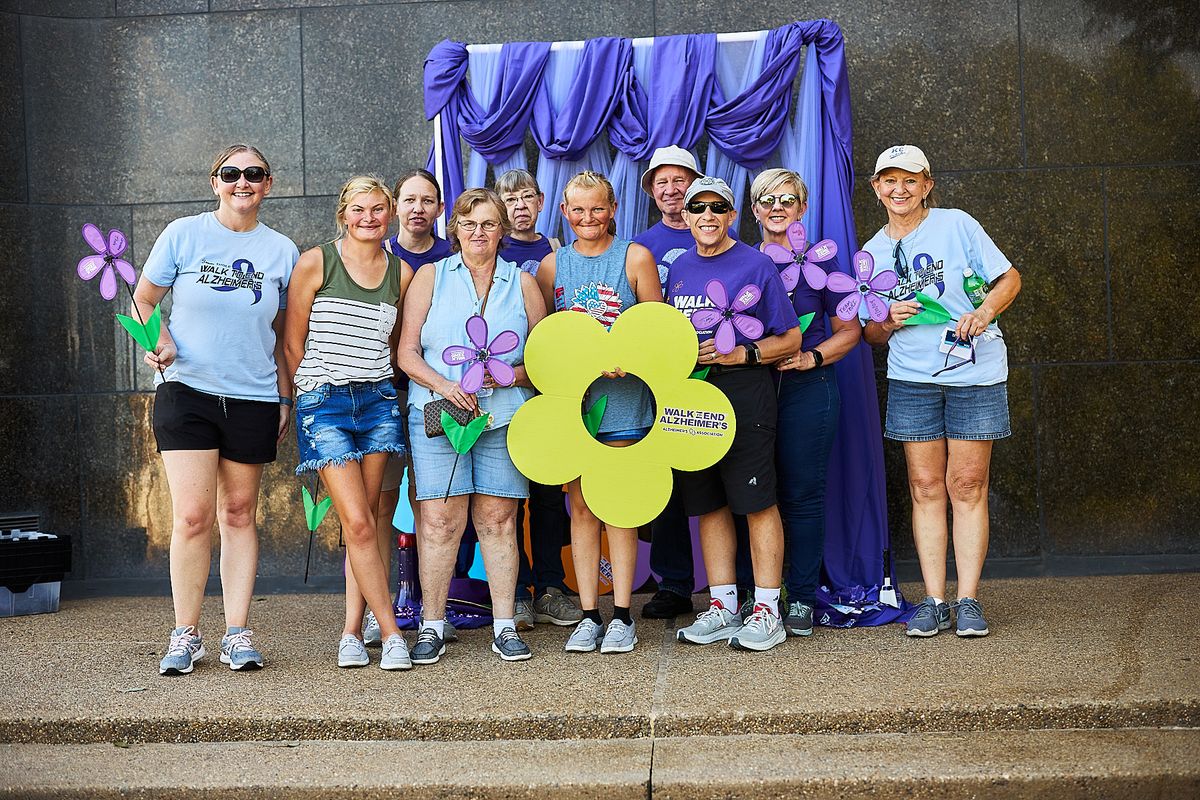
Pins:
<point x="753" y="355"/>
<point x="818" y="359"/>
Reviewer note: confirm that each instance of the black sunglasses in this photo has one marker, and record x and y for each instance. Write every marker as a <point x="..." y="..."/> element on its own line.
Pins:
<point x="946" y="366"/>
<point x="901" y="259"/>
<point x="716" y="206"/>
<point x="232" y="174"/>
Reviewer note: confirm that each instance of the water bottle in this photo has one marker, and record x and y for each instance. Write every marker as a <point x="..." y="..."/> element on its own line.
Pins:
<point x="408" y="585"/>
<point x="975" y="287"/>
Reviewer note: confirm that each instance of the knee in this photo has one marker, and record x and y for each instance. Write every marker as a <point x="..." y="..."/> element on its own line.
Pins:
<point x="194" y="522"/>
<point x="968" y="487"/>
<point x="238" y="513"/>
<point x="495" y="525"/>
<point x="580" y="513"/>
<point x="359" y="529"/>
<point x="927" y="488"/>
<point x="440" y="531"/>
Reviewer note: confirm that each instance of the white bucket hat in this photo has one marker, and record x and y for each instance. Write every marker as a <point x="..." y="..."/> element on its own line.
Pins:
<point x="664" y="156"/>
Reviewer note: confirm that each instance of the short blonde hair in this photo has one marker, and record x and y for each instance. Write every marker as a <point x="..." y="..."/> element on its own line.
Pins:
<point x="361" y="184"/>
<point x="593" y="180"/>
<point x="231" y="151"/>
<point x="465" y="204"/>
<point x="771" y="179"/>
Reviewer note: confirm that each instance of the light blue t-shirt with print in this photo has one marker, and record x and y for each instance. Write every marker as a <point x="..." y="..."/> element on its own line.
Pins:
<point x="227" y="288"/>
<point x="946" y="243"/>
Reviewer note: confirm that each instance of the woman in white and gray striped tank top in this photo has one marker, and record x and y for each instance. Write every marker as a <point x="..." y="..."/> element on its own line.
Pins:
<point x="343" y="306"/>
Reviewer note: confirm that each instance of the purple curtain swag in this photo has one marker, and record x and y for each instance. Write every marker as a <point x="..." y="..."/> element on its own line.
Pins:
<point x="680" y="102"/>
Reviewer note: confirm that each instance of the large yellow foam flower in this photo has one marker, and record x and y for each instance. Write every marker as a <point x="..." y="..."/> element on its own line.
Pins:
<point x="624" y="486"/>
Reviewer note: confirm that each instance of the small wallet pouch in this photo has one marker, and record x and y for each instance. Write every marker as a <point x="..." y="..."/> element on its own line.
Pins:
<point x="433" y="416"/>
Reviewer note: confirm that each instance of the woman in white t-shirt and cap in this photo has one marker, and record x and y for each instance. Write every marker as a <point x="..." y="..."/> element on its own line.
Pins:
<point x="947" y="397"/>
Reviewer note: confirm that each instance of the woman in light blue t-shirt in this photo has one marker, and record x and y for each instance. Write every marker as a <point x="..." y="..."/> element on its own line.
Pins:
<point x="947" y="400"/>
<point x="221" y="405"/>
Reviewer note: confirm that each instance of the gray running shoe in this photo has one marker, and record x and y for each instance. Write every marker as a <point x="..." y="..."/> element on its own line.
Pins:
<point x="968" y="617"/>
<point x="929" y="618"/>
<point x="798" y="621"/>
<point x="618" y="637"/>
<point x="556" y="608"/>
<point x="714" y="625"/>
<point x="449" y="633"/>
<point x="510" y="647"/>
<point x="429" y="647"/>
<point x="585" y="637"/>
<point x="186" y="649"/>
<point x="372" y="635"/>
<point x="524" y="615"/>
<point x="762" y="631"/>
<point x="395" y="654"/>
<point x="351" y="652"/>
<point x="238" y="652"/>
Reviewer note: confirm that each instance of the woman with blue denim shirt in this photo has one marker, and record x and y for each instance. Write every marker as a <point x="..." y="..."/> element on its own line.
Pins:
<point x="343" y="304"/>
<point x="474" y="280"/>
<point x="947" y="395"/>
<point x="809" y="403"/>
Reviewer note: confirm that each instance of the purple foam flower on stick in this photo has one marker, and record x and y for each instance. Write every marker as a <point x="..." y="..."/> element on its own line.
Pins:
<point x="867" y="289"/>
<point x="727" y="316"/>
<point x="481" y="355"/>
<point x="801" y="258"/>
<point x="105" y="262"/>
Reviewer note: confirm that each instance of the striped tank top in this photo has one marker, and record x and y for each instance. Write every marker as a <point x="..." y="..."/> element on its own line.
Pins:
<point x="349" y="327"/>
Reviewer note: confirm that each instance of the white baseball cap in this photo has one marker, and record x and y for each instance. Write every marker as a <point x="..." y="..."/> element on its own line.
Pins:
<point x="663" y="156"/>
<point x="706" y="183"/>
<point x="907" y="157"/>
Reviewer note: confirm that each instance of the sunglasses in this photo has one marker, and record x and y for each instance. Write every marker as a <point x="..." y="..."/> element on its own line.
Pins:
<point x="947" y="366"/>
<point x="785" y="200"/>
<point x="901" y="265"/>
<point x="716" y="206"/>
<point x="233" y="174"/>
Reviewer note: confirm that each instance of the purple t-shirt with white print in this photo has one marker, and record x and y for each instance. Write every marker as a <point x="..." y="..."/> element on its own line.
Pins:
<point x="526" y="255"/>
<point x="735" y="268"/>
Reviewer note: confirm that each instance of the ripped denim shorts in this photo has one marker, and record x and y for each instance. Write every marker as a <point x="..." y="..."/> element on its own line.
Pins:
<point x="337" y="424"/>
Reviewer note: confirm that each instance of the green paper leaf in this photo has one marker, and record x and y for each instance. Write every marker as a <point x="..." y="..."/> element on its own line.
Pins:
<point x="591" y="420"/>
<point x="145" y="335"/>
<point x="932" y="312"/>
<point x="806" y="320"/>
<point x="314" y="513"/>
<point x="154" y="326"/>
<point x="463" y="437"/>
<point x="700" y="374"/>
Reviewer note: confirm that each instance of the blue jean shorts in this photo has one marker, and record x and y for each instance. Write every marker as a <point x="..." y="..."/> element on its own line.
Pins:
<point x="484" y="469"/>
<point x="925" y="412"/>
<point x="337" y="424"/>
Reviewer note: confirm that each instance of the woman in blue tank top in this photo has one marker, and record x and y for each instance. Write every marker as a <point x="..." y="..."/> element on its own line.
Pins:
<point x="602" y="275"/>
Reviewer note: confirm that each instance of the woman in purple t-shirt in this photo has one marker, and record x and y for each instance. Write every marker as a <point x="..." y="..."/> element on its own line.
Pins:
<point x="808" y="401"/>
<point x="743" y="481"/>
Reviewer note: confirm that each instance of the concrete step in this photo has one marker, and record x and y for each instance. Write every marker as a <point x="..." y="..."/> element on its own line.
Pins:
<point x="1016" y="765"/>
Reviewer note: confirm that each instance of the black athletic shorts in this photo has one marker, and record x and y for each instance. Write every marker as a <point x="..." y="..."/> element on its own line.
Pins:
<point x="240" y="430"/>
<point x="744" y="479"/>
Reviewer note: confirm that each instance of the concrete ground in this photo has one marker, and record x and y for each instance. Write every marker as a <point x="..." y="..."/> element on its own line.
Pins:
<point x="1087" y="687"/>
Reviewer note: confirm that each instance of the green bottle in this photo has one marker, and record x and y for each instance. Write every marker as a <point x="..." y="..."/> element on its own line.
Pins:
<point x="975" y="287"/>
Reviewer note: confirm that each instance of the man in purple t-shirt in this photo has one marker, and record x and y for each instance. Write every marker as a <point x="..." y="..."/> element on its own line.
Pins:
<point x="726" y="276"/>
<point x="671" y="172"/>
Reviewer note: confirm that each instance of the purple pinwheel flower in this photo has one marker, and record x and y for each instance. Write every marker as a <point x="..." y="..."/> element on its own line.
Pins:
<point x="105" y="262"/>
<point x="799" y="258"/>
<point x="728" y="315"/>
<point x="868" y="288"/>
<point x="483" y="354"/>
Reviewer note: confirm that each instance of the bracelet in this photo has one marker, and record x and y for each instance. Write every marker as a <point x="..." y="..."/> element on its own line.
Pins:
<point x="286" y="401"/>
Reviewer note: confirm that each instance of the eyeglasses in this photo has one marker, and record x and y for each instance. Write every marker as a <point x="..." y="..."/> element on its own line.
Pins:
<point x="528" y="198"/>
<point x="901" y="265"/>
<point x="716" y="206"/>
<point x="233" y="174"/>
<point x="470" y="225"/>
<point x="946" y="367"/>
<point x="785" y="200"/>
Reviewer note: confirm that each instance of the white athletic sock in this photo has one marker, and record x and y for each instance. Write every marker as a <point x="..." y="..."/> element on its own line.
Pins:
<point x="500" y="624"/>
<point x="938" y="600"/>
<point x="768" y="598"/>
<point x="726" y="595"/>
<point x="438" y="626"/>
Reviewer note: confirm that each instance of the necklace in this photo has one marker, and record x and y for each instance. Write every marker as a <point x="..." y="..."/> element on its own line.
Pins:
<point x="888" y="230"/>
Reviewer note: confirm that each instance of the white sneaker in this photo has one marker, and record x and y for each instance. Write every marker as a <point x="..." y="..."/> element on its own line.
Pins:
<point x="395" y="654"/>
<point x="372" y="636"/>
<point x="584" y="638"/>
<point x="351" y="652"/>
<point x="762" y="631"/>
<point x="618" y="637"/>
<point x="716" y="624"/>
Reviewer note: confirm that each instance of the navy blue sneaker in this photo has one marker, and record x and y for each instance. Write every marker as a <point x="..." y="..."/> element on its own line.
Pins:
<point x="929" y="618"/>
<point x="968" y="618"/>
<point x="508" y="646"/>
<point x="429" y="647"/>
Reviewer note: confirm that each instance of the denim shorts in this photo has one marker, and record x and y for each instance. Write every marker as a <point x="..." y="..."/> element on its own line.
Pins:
<point x="924" y="412"/>
<point x="484" y="469"/>
<point x="337" y="424"/>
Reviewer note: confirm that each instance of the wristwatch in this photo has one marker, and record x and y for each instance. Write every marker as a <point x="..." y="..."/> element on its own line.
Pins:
<point x="818" y="359"/>
<point x="753" y="356"/>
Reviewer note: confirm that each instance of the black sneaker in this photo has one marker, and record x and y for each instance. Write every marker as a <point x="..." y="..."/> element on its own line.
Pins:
<point x="667" y="605"/>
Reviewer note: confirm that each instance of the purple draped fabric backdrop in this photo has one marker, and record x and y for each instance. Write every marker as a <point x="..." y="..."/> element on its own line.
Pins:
<point x="682" y="103"/>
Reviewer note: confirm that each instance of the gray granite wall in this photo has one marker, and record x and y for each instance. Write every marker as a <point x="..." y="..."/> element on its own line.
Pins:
<point x="1069" y="128"/>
